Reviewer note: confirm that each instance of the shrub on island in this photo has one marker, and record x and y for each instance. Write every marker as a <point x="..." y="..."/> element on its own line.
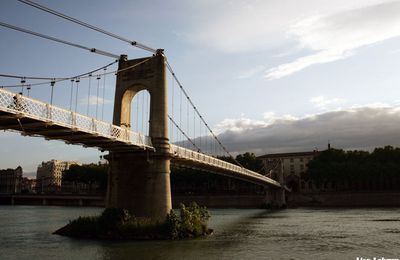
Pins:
<point x="118" y="224"/>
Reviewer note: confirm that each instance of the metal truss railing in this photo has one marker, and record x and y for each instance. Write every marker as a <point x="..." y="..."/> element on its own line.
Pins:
<point x="34" y="109"/>
<point x="183" y="153"/>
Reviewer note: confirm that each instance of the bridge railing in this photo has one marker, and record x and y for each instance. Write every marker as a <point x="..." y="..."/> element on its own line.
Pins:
<point x="27" y="107"/>
<point x="191" y="155"/>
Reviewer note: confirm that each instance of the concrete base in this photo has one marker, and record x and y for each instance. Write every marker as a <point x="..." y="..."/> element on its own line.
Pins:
<point x="140" y="182"/>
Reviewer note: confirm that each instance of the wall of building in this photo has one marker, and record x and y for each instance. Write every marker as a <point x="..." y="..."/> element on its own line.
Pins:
<point x="49" y="175"/>
<point x="11" y="180"/>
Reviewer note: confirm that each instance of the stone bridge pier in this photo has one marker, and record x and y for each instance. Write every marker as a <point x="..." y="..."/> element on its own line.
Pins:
<point x="140" y="180"/>
<point x="276" y="197"/>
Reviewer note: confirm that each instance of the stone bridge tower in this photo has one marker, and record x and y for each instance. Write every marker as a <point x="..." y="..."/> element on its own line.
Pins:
<point x="140" y="180"/>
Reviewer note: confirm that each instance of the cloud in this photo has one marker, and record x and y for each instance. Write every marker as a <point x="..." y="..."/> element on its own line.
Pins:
<point x="238" y="125"/>
<point x="251" y="72"/>
<point x="94" y="101"/>
<point x="250" y="25"/>
<point x="323" y="103"/>
<point x="338" y="36"/>
<point x="354" y="128"/>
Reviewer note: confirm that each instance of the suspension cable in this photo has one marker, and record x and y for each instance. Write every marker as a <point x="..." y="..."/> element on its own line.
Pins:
<point x="82" y="76"/>
<point x="51" y="38"/>
<point x="187" y="137"/>
<point x="197" y="112"/>
<point x="88" y="102"/>
<point x="23" y="81"/>
<point x="142" y="94"/>
<point x="137" y="112"/>
<point x="98" y="88"/>
<point x="52" y="91"/>
<point x="76" y="94"/>
<point x="104" y="90"/>
<point x="92" y="27"/>
<point x="172" y="103"/>
<point x="72" y="89"/>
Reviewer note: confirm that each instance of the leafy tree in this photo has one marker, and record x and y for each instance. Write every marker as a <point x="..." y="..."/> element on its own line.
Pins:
<point x="88" y="174"/>
<point x="359" y="169"/>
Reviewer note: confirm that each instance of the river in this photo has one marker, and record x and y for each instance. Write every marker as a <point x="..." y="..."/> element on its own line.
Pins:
<point x="304" y="233"/>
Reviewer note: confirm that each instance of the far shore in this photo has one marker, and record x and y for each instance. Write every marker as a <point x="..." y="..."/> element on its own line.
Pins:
<point x="321" y="199"/>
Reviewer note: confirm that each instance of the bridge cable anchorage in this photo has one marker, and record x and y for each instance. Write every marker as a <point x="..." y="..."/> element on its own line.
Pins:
<point x="169" y="67"/>
<point x="51" y="38"/>
<point x="92" y="27"/>
<point x="187" y="137"/>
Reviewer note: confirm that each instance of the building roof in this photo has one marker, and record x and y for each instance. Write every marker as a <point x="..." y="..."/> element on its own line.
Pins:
<point x="284" y="155"/>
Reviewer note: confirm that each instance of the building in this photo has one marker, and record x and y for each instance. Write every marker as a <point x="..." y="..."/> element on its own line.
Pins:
<point x="291" y="164"/>
<point x="28" y="185"/>
<point x="11" y="180"/>
<point x="49" y="175"/>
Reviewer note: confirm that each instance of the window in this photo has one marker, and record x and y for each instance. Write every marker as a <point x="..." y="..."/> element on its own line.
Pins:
<point x="301" y="159"/>
<point x="291" y="160"/>
<point x="302" y="167"/>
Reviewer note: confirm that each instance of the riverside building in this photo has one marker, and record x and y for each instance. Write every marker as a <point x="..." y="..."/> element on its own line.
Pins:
<point x="292" y="165"/>
<point x="49" y="175"/>
<point x="11" y="180"/>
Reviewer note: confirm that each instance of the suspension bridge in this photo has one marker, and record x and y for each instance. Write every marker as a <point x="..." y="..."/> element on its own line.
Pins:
<point x="155" y="124"/>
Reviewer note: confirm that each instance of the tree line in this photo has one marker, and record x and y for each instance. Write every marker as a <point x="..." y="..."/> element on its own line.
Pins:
<point x="356" y="170"/>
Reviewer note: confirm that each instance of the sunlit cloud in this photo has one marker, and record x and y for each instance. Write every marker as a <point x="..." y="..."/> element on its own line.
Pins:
<point x="338" y="36"/>
<point x="353" y="128"/>
<point x="323" y="103"/>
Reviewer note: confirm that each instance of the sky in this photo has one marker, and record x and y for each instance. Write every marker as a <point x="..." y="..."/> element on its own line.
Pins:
<point x="268" y="76"/>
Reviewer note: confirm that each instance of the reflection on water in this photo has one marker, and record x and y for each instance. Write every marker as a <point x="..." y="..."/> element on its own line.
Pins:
<point x="25" y="233"/>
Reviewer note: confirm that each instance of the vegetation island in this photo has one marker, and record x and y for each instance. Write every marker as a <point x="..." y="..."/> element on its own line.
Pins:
<point x="118" y="224"/>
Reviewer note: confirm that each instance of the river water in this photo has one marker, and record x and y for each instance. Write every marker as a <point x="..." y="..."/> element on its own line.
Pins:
<point x="25" y="233"/>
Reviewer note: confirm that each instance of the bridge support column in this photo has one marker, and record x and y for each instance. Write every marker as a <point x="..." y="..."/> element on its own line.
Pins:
<point x="275" y="198"/>
<point x="140" y="184"/>
<point x="139" y="179"/>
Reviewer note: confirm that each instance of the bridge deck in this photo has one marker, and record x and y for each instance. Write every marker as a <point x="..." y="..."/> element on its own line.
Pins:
<point x="188" y="158"/>
<point x="35" y="118"/>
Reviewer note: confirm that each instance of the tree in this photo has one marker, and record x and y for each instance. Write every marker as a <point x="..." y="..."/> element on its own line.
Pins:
<point x="88" y="174"/>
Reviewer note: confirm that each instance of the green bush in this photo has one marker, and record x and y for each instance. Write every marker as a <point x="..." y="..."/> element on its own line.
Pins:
<point x="116" y="223"/>
<point x="191" y="223"/>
